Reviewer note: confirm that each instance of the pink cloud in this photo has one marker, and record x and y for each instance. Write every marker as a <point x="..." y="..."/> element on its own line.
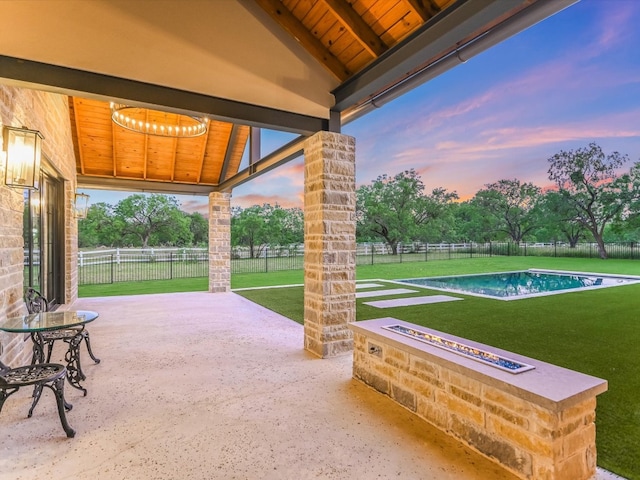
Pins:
<point x="617" y="24"/>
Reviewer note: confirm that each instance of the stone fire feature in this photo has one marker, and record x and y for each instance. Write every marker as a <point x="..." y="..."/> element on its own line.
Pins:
<point x="538" y="424"/>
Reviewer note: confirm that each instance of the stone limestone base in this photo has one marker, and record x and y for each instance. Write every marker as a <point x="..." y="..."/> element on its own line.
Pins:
<point x="329" y="244"/>
<point x="219" y="242"/>
<point x="537" y="424"/>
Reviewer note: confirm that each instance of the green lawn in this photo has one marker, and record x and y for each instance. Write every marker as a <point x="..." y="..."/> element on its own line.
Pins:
<point x="596" y="332"/>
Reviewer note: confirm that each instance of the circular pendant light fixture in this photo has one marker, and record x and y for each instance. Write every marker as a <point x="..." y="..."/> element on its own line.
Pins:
<point x="158" y="123"/>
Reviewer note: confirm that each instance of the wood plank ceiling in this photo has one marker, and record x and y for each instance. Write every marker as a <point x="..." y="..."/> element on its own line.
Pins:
<point x="343" y="35"/>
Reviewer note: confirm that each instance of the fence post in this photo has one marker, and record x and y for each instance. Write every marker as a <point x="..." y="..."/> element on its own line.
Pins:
<point x="372" y="249"/>
<point x="449" y="249"/>
<point x="400" y="250"/>
<point x="117" y="256"/>
<point x="111" y="268"/>
<point x="170" y="265"/>
<point x="470" y="249"/>
<point x="426" y="252"/>
<point x="266" y="259"/>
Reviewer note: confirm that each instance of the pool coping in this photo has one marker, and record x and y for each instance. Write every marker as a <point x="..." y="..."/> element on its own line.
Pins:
<point x="635" y="278"/>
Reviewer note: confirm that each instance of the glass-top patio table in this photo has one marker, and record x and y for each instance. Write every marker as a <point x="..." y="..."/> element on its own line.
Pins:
<point x="35" y="323"/>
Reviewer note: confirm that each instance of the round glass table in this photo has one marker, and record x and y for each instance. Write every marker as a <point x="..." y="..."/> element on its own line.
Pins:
<point x="36" y="323"/>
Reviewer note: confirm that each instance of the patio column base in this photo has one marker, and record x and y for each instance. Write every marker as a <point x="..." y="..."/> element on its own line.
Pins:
<point x="329" y="243"/>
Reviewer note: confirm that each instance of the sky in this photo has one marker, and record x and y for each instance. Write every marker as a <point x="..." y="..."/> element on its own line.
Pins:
<point x="570" y="80"/>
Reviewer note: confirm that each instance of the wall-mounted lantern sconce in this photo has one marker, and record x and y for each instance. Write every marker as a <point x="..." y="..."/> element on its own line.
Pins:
<point x="81" y="205"/>
<point x="23" y="151"/>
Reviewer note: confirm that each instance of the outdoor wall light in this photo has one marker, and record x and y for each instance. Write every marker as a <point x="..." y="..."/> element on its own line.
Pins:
<point x="23" y="152"/>
<point x="81" y="205"/>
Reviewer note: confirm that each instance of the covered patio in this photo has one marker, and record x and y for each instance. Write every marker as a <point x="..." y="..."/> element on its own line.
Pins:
<point x="200" y="385"/>
<point x="184" y="393"/>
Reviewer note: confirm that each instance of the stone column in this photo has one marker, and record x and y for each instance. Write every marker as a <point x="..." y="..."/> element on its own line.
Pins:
<point x="329" y="243"/>
<point x="219" y="242"/>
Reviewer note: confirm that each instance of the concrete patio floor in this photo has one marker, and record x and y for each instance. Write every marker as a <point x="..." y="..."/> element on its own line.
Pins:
<point x="212" y="386"/>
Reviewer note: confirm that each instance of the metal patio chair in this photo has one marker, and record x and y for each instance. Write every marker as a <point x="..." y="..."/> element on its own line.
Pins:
<point x="40" y="375"/>
<point x="37" y="303"/>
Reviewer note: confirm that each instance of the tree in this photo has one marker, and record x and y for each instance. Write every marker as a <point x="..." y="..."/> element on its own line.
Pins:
<point x="558" y="219"/>
<point x="99" y="228"/>
<point x="396" y="208"/>
<point x="260" y="226"/>
<point x="512" y="205"/>
<point x="153" y="220"/>
<point x="249" y="227"/>
<point x="627" y="225"/>
<point x="593" y="191"/>
<point x="472" y="224"/>
<point x="285" y="225"/>
<point x="199" y="228"/>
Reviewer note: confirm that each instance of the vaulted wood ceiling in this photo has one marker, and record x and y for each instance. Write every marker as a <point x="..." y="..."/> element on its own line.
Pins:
<point x="105" y="150"/>
<point x="295" y="65"/>
<point x="343" y="36"/>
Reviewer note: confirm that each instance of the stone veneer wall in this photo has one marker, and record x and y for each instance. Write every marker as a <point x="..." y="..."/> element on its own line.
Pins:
<point x="533" y="436"/>
<point x="329" y="243"/>
<point x="48" y="113"/>
<point x="219" y="242"/>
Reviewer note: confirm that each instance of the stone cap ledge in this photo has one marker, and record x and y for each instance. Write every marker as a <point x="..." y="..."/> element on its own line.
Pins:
<point x="550" y="386"/>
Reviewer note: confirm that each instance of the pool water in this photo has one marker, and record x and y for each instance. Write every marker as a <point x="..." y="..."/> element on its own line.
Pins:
<point x="521" y="284"/>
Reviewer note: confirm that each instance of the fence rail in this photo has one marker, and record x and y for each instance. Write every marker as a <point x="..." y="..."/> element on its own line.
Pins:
<point x="126" y="265"/>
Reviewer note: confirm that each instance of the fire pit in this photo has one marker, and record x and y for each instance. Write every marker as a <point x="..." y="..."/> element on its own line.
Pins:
<point x="474" y="353"/>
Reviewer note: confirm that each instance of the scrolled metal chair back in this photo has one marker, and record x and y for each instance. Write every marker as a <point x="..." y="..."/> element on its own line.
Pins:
<point x="35" y="302"/>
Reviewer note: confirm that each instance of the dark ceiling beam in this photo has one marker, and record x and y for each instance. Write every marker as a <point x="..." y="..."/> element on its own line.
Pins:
<point x="431" y="41"/>
<point x="425" y="9"/>
<point x="233" y="138"/>
<point x="354" y="23"/>
<point x="295" y="28"/>
<point x="132" y="185"/>
<point x="284" y="154"/>
<point x="73" y="82"/>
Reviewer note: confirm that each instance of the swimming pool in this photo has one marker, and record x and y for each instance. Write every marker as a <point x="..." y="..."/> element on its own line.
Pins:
<point x="521" y="284"/>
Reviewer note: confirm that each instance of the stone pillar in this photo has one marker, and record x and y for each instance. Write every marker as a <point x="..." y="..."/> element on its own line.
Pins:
<point x="219" y="242"/>
<point x="329" y="243"/>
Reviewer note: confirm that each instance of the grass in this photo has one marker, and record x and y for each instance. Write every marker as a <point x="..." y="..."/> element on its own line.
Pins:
<point x="594" y="332"/>
<point x="146" y="287"/>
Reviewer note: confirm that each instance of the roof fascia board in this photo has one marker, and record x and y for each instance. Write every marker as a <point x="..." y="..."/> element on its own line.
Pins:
<point x="438" y="35"/>
<point x="520" y="21"/>
<point x="74" y="82"/>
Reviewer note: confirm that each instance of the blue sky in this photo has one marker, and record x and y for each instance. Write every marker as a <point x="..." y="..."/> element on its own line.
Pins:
<point x="563" y="83"/>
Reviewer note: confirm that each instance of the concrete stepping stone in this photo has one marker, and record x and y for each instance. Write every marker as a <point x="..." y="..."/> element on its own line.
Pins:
<point x="367" y="285"/>
<point x="380" y="293"/>
<point x="406" y="302"/>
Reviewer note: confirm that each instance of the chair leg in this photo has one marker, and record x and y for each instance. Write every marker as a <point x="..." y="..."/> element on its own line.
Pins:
<point x="58" y="389"/>
<point x="37" y="393"/>
<point x="49" y="350"/>
<point x="88" y="342"/>
<point x="4" y="395"/>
